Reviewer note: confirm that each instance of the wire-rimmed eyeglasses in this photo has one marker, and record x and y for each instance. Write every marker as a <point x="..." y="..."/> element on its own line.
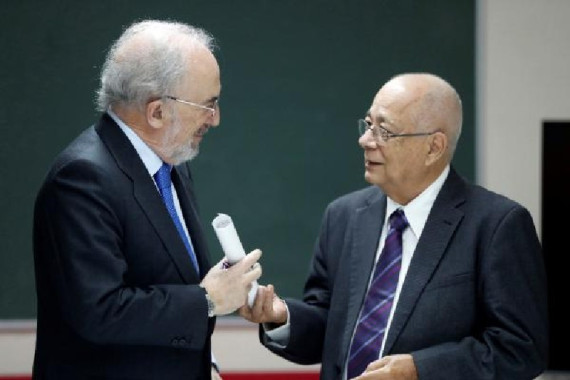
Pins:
<point x="381" y="134"/>
<point x="211" y="109"/>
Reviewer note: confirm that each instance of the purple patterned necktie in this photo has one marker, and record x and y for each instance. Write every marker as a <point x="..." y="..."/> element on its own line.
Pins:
<point x="374" y="315"/>
<point x="163" y="181"/>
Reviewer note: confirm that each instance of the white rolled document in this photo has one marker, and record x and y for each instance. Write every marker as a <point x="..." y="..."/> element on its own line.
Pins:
<point x="231" y="244"/>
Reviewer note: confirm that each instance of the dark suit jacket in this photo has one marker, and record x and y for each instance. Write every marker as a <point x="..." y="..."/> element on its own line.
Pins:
<point x="118" y="297"/>
<point x="473" y="304"/>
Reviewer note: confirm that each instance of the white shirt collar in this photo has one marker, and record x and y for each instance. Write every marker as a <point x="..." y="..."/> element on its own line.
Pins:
<point x="150" y="159"/>
<point x="418" y="209"/>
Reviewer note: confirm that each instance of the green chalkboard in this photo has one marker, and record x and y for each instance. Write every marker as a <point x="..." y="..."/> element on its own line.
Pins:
<point x="296" y="74"/>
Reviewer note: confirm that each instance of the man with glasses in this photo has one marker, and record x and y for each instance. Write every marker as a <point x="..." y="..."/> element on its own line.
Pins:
<point x="124" y="282"/>
<point x="421" y="275"/>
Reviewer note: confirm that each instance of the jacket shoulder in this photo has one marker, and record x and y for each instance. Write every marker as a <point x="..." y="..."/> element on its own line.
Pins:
<point x="356" y="199"/>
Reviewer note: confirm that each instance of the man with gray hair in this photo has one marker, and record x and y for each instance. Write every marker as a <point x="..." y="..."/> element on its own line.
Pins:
<point x="124" y="282"/>
<point x="421" y="275"/>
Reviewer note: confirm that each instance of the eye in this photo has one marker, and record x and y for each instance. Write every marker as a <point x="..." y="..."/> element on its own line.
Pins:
<point x="384" y="134"/>
<point x="214" y="103"/>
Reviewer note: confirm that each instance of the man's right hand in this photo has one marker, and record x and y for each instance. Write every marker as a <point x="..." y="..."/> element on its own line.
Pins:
<point x="228" y="288"/>
<point x="268" y="308"/>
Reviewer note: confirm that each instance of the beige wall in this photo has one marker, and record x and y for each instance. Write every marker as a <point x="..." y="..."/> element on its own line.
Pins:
<point x="235" y="344"/>
<point x="523" y="78"/>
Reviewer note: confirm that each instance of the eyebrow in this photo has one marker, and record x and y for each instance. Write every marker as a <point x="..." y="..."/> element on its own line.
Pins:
<point x="213" y="99"/>
<point x="382" y="119"/>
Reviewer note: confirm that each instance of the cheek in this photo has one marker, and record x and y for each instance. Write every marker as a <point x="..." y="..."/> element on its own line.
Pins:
<point x="411" y="163"/>
<point x="193" y="132"/>
<point x="402" y="161"/>
<point x="418" y="155"/>
<point x="188" y="128"/>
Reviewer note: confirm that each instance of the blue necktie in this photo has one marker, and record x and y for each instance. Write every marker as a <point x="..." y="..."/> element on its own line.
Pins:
<point x="163" y="181"/>
<point x="374" y="315"/>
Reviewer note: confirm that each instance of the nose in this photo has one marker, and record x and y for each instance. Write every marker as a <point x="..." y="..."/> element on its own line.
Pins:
<point x="367" y="141"/>
<point x="216" y="116"/>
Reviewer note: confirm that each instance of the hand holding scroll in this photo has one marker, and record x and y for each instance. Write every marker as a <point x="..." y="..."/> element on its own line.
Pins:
<point x="231" y="244"/>
<point x="228" y="287"/>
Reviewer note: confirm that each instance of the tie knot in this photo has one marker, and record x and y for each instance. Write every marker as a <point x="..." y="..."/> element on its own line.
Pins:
<point x="162" y="176"/>
<point x="398" y="220"/>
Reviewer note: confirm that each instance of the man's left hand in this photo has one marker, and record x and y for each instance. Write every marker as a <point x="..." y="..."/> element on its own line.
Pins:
<point x="392" y="367"/>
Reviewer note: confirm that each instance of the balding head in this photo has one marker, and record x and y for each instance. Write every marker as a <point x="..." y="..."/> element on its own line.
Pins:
<point x="415" y="122"/>
<point x="433" y="104"/>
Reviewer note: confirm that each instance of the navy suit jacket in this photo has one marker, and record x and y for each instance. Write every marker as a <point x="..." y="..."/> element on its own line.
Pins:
<point x="118" y="296"/>
<point x="473" y="304"/>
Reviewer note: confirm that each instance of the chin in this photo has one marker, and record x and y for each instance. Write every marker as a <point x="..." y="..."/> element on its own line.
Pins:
<point x="371" y="179"/>
<point x="192" y="155"/>
<point x="185" y="155"/>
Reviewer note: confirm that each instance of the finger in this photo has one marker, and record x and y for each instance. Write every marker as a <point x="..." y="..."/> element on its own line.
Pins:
<point x="256" y="265"/>
<point x="257" y="309"/>
<point x="252" y="275"/>
<point x="270" y="289"/>
<point x="268" y="303"/>
<point x="245" y="312"/>
<point x="272" y="298"/>
<point x="266" y="309"/>
<point x="262" y="308"/>
<point x="377" y="374"/>
<point x="249" y="259"/>
<point x="376" y="364"/>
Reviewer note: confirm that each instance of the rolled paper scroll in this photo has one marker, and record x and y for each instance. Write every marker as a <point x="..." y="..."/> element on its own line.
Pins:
<point x="232" y="247"/>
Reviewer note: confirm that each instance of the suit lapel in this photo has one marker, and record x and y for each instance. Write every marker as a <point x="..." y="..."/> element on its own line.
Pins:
<point x="442" y="221"/>
<point x="366" y="231"/>
<point x="146" y="195"/>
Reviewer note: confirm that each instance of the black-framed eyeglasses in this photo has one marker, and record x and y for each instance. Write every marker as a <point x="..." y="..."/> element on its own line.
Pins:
<point x="211" y="109"/>
<point x="381" y="134"/>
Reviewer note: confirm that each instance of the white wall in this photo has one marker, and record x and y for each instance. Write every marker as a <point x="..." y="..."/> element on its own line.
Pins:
<point x="523" y="78"/>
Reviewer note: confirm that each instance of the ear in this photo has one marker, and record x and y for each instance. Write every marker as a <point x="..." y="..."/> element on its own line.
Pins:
<point x="155" y="113"/>
<point x="436" y="148"/>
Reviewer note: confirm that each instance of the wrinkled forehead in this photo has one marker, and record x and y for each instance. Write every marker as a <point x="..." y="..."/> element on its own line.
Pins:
<point x="391" y="103"/>
<point x="202" y="74"/>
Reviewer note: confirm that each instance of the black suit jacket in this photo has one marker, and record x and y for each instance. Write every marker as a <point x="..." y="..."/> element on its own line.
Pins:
<point x="118" y="297"/>
<point x="473" y="304"/>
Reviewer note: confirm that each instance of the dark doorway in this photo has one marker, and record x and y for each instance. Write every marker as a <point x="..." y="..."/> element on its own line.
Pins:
<point x="555" y="216"/>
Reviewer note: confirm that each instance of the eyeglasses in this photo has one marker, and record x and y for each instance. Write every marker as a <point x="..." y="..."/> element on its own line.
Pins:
<point x="381" y="134"/>
<point x="211" y="109"/>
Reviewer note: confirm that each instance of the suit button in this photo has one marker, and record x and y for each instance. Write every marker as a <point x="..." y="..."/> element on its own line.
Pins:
<point x="182" y="342"/>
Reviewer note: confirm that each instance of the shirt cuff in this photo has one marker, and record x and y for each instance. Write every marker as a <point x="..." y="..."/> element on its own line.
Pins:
<point x="215" y="363"/>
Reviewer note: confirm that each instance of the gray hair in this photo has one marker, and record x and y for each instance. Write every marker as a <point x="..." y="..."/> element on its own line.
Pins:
<point x="146" y="62"/>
